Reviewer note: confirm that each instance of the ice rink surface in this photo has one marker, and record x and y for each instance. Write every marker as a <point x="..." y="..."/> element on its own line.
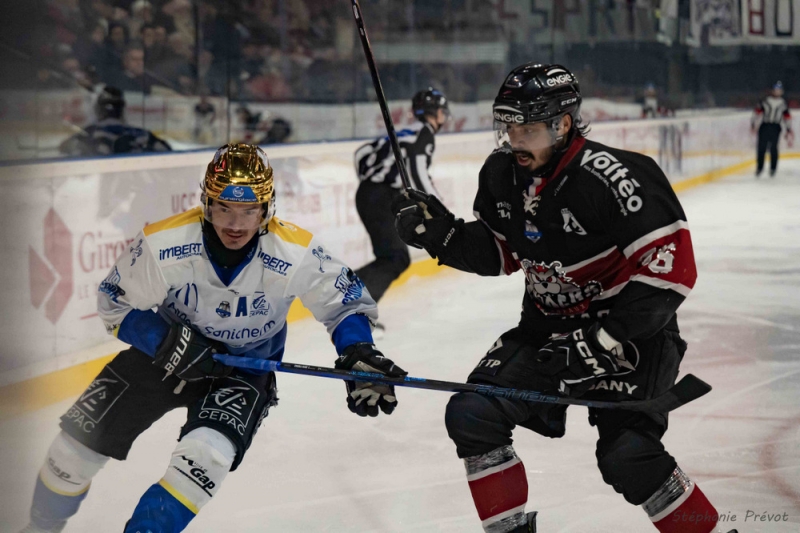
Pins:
<point x="316" y="467"/>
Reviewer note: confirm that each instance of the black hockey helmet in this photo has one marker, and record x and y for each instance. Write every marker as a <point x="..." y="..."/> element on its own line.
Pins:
<point x="534" y="92"/>
<point x="428" y="102"/>
<point x="110" y="104"/>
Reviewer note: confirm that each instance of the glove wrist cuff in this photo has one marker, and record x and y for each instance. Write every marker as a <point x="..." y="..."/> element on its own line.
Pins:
<point x="606" y="341"/>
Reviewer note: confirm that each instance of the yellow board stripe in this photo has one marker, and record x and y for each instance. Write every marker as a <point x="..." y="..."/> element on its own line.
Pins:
<point x="61" y="492"/>
<point x="39" y="392"/>
<point x="33" y="394"/>
<point x="187" y="217"/>
<point x="288" y="232"/>
<point x="178" y="496"/>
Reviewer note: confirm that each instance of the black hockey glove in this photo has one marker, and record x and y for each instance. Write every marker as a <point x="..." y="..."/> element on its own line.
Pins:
<point x="364" y="398"/>
<point x="422" y="221"/>
<point x="574" y="360"/>
<point x="189" y="356"/>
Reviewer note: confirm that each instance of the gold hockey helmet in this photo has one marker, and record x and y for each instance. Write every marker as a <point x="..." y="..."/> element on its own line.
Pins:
<point x="239" y="173"/>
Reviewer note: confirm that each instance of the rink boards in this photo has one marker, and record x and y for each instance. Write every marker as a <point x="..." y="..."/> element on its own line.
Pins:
<point x="67" y="222"/>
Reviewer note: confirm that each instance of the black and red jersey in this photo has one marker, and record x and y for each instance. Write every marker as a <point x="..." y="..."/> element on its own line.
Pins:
<point x="604" y="238"/>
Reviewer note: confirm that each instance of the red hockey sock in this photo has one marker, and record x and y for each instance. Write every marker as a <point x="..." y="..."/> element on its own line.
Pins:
<point x="691" y="513"/>
<point x="500" y="491"/>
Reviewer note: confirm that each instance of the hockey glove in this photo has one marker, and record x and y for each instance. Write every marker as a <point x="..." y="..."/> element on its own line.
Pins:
<point x="422" y="221"/>
<point x="189" y="356"/>
<point x="574" y="360"/>
<point x="364" y="398"/>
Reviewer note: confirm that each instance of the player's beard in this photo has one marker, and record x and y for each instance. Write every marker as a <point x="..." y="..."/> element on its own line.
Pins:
<point x="531" y="161"/>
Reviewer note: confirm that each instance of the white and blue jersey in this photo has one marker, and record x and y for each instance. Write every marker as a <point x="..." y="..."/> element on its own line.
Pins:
<point x="168" y="268"/>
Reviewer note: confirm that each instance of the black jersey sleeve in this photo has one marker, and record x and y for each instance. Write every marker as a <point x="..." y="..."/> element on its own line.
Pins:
<point x="472" y="249"/>
<point x="649" y="227"/>
<point x="475" y="247"/>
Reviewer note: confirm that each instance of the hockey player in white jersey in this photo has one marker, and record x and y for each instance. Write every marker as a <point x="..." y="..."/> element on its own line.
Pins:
<point x="222" y="278"/>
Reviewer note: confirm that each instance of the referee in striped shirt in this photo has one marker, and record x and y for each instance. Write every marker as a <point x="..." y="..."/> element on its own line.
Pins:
<point x="773" y="113"/>
<point x="381" y="183"/>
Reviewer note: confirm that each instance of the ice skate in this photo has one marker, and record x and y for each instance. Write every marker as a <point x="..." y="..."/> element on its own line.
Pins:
<point x="530" y="527"/>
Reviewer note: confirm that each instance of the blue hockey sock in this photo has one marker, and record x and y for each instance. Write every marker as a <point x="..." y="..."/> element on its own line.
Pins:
<point x="159" y="511"/>
<point x="50" y="510"/>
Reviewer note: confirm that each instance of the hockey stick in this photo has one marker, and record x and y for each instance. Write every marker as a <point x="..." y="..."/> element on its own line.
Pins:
<point x="687" y="389"/>
<point x="376" y="82"/>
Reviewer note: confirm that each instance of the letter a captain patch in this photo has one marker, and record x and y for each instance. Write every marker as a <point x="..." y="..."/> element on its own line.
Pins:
<point x="571" y="224"/>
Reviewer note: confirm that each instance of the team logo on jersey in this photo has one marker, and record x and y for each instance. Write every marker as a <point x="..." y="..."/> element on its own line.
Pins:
<point x="614" y="174"/>
<point x="659" y="260"/>
<point x="224" y="309"/>
<point x="530" y="201"/>
<point x="554" y="293"/>
<point x="260" y="306"/>
<point x="350" y="285"/>
<point x="320" y="254"/>
<point x="110" y="285"/>
<point x="136" y="252"/>
<point x="571" y="224"/>
<point x="231" y="405"/>
<point x="532" y="232"/>
<point x="96" y="401"/>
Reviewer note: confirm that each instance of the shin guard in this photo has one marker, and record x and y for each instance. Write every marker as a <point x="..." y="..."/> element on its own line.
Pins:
<point x="679" y="506"/>
<point x="63" y="482"/>
<point x="499" y="489"/>
<point x="199" y="464"/>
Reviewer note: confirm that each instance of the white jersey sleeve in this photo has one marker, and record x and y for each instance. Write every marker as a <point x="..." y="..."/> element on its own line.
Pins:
<point x="329" y="289"/>
<point x="135" y="282"/>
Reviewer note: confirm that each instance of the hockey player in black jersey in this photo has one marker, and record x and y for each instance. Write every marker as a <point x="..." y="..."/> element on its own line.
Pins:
<point x="607" y="256"/>
<point x="770" y="116"/>
<point x="381" y="183"/>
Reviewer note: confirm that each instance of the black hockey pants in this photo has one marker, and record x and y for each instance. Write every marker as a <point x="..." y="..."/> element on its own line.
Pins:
<point x="373" y="202"/>
<point x="768" y="138"/>
<point x="629" y="451"/>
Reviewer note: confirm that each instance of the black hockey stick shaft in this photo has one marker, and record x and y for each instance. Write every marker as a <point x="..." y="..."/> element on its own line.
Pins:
<point x="376" y="82"/>
<point x="687" y="389"/>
